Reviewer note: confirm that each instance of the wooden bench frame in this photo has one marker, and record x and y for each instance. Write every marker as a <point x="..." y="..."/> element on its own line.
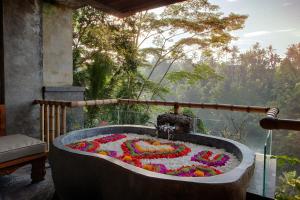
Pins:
<point x="37" y="161"/>
<point x="2" y="120"/>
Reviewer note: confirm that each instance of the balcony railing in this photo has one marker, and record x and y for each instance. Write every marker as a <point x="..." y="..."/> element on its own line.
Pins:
<point x="53" y="114"/>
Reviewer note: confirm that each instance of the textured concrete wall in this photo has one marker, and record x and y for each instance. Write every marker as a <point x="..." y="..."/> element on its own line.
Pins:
<point x="57" y="45"/>
<point x="22" y="64"/>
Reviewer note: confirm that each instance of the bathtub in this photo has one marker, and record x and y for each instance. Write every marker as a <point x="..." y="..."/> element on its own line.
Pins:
<point x="83" y="175"/>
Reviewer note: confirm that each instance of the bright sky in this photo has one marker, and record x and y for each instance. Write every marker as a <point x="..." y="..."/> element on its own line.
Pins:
<point x="275" y="22"/>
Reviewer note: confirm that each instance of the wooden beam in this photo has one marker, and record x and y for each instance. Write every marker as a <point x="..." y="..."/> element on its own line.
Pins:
<point x="22" y="160"/>
<point x="239" y="108"/>
<point x="94" y="102"/>
<point x="119" y="8"/>
<point x="270" y="123"/>
<point x="52" y="102"/>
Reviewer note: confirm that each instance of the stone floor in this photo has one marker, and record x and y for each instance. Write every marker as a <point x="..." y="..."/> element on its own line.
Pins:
<point x="17" y="186"/>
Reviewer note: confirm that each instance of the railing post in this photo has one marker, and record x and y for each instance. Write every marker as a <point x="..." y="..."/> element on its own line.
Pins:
<point x="51" y="122"/>
<point x="176" y="108"/>
<point x="57" y="121"/>
<point x="63" y="119"/>
<point x="42" y="120"/>
<point x="46" y="125"/>
<point x="118" y="110"/>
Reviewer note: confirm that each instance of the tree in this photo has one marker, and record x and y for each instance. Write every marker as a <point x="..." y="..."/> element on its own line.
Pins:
<point x="183" y="30"/>
<point x="287" y="85"/>
<point x="109" y="55"/>
<point x="106" y="58"/>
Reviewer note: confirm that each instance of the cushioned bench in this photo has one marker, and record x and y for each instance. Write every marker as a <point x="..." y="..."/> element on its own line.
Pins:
<point x="19" y="150"/>
<point x="17" y="146"/>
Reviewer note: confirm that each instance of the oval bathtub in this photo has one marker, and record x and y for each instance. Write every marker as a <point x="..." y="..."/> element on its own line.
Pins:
<point x="84" y="175"/>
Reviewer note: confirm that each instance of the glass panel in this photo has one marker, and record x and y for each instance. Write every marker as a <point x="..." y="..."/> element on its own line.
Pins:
<point x="267" y="164"/>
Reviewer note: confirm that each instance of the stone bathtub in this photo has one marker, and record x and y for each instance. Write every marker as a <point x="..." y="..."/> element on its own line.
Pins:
<point x="83" y="175"/>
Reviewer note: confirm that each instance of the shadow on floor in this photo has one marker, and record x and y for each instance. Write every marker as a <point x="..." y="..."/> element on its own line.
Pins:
<point x="17" y="186"/>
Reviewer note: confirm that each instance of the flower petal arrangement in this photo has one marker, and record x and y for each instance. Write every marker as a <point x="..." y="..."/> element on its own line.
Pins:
<point x="195" y="171"/>
<point x="152" y="149"/>
<point x="160" y="155"/>
<point x="204" y="157"/>
<point x="107" y="153"/>
<point x="110" y="138"/>
<point x="159" y="168"/>
<point x="89" y="146"/>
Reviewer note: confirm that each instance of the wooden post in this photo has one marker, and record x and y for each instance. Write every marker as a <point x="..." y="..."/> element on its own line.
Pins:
<point x="42" y="120"/>
<point x="2" y="120"/>
<point x="51" y="122"/>
<point x="38" y="170"/>
<point x="46" y="127"/>
<point x="63" y="119"/>
<point x="57" y="121"/>
<point x="176" y="108"/>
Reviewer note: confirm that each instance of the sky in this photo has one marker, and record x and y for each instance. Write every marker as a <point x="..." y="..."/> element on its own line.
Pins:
<point x="275" y="22"/>
<point x="270" y="22"/>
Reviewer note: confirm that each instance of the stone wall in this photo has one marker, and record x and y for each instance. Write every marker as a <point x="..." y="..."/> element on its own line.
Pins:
<point x="37" y="52"/>
<point x="57" y="45"/>
<point x="58" y="61"/>
<point x="22" y="34"/>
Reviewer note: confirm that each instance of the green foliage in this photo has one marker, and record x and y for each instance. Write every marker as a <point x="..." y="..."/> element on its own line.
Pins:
<point x="199" y="72"/>
<point x="289" y="187"/>
<point x="188" y="112"/>
<point x="196" y="25"/>
<point x="256" y="77"/>
<point x="108" y="54"/>
<point x="284" y="160"/>
<point x="200" y="127"/>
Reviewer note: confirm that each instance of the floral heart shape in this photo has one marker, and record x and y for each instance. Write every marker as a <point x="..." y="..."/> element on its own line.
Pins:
<point x="152" y="149"/>
<point x="205" y="157"/>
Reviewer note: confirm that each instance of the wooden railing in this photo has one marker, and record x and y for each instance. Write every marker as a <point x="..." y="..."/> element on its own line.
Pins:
<point x="53" y="113"/>
<point x="53" y="119"/>
<point x="271" y="122"/>
<point x="177" y="105"/>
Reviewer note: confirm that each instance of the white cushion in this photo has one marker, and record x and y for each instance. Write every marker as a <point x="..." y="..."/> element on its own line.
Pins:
<point x="17" y="146"/>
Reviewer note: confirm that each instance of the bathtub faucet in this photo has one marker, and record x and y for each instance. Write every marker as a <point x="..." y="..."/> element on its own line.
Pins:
<point x="170" y="130"/>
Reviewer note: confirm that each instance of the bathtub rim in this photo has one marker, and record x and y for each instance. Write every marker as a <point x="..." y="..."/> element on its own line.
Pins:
<point x="236" y="175"/>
